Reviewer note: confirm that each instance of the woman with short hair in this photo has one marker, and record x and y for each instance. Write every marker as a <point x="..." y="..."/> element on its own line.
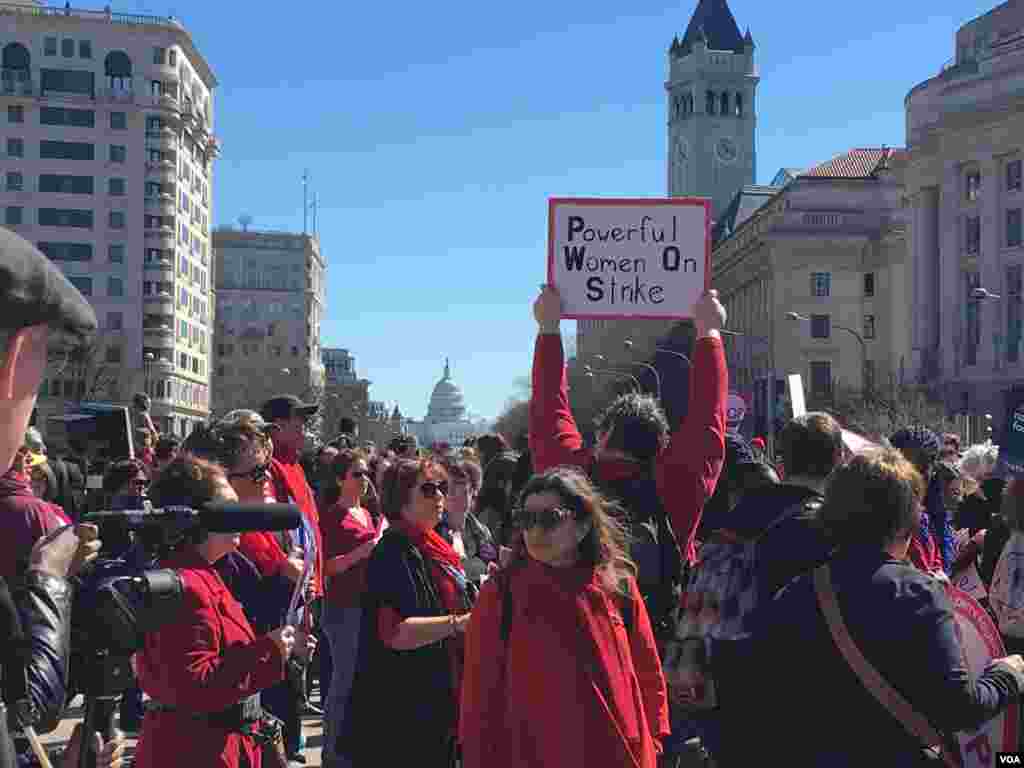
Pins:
<point x="414" y="612"/>
<point x="561" y="663"/>
<point x="463" y="530"/>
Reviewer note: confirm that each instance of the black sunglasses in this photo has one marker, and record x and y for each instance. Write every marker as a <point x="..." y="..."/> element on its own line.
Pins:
<point x="548" y="519"/>
<point x="429" y="489"/>
<point x="256" y="474"/>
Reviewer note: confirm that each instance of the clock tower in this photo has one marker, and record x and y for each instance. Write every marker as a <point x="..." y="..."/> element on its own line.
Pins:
<point x="712" y="107"/>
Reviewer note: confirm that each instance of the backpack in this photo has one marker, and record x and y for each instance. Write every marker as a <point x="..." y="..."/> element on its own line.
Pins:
<point x="722" y="593"/>
<point x="654" y="549"/>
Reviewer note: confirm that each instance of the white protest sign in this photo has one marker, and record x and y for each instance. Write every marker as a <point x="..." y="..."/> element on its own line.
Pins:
<point x="796" y="394"/>
<point x="969" y="580"/>
<point x="629" y="258"/>
<point x="980" y="642"/>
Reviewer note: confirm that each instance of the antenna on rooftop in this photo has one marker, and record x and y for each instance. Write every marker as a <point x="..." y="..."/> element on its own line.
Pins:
<point x="245" y="220"/>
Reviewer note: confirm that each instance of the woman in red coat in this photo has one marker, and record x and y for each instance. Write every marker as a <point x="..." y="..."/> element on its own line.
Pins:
<point x="573" y="677"/>
<point x="204" y="671"/>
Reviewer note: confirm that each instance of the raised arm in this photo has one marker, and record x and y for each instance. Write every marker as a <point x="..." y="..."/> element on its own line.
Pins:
<point x="688" y="470"/>
<point x="554" y="438"/>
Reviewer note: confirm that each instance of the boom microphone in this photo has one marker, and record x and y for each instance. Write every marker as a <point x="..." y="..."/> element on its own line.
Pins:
<point x="235" y="518"/>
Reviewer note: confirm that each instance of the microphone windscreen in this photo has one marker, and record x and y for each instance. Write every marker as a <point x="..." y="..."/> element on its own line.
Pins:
<point x="236" y="518"/>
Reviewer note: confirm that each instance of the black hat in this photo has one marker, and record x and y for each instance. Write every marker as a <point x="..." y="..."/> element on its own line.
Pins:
<point x="33" y="291"/>
<point x="286" y="406"/>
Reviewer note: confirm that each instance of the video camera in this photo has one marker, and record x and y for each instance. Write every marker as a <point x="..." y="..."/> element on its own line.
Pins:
<point x="120" y="599"/>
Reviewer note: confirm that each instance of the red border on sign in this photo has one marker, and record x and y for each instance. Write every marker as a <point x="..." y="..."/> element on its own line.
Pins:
<point x="553" y="202"/>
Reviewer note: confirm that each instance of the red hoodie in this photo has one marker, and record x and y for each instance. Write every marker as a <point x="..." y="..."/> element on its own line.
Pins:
<point x="24" y="519"/>
<point x="686" y="471"/>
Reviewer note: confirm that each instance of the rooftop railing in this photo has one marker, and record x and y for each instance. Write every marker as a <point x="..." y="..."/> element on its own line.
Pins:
<point x="133" y="19"/>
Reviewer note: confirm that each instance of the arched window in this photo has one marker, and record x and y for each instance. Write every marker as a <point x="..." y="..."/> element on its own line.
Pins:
<point x="16" y="56"/>
<point x="739" y="105"/>
<point x="118" y="68"/>
<point x="725" y="104"/>
<point x="709" y="98"/>
<point x="689" y="103"/>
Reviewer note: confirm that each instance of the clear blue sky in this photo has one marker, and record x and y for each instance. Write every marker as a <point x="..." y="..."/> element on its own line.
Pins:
<point x="435" y="132"/>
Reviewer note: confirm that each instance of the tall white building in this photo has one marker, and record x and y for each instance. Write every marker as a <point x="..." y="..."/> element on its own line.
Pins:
<point x="107" y="139"/>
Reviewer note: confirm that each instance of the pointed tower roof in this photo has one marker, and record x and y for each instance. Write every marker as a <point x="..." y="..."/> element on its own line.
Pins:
<point x="718" y="25"/>
<point x="748" y="38"/>
<point x="396" y="414"/>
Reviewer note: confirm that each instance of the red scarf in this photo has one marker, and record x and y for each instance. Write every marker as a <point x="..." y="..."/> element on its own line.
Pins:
<point x="437" y="552"/>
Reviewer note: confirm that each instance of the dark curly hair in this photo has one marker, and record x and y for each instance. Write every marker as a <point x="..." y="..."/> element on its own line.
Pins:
<point x="635" y="424"/>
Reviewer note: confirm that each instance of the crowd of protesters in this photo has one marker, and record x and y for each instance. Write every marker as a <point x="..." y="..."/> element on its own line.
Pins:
<point x="670" y="591"/>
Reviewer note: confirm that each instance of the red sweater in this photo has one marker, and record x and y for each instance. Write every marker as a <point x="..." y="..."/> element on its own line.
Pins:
<point x="686" y="471"/>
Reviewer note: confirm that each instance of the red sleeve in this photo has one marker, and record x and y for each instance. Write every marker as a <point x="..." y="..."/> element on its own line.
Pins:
<point x="647" y="664"/>
<point x="689" y="468"/>
<point x="554" y="438"/>
<point x="200" y="674"/>
<point x="481" y="711"/>
<point x="264" y="551"/>
<point x="388" y="620"/>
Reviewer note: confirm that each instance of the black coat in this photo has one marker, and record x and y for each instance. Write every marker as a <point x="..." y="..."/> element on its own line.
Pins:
<point x="402" y="707"/>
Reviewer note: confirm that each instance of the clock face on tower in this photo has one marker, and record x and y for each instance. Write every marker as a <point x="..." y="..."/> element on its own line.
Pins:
<point x="726" y="150"/>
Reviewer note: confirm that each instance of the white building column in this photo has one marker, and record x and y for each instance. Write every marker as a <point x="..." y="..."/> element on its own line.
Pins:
<point x="951" y="289"/>
<point x="924" y="272"/>
<point x="989" y="267"/>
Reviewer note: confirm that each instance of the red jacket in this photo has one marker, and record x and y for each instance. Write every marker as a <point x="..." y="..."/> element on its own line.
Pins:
<point x="686" y="471"/>
<point x="24" y="519"/>
<point x="205" y="661"/>
<point x="555" y="693"/>
<point x="290" y="487"/>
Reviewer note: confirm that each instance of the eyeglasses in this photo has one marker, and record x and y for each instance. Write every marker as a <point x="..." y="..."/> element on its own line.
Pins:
<point x="548" y="519"/>
<point x="255" y="475"/>
<point x="429" y="489"/>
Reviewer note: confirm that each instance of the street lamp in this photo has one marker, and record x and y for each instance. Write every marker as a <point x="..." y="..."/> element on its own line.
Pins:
<point x="797" y="317"/>
<point x="983" y="294"/>
<point x="148" y="359"/>
<point x="628" y="344"/>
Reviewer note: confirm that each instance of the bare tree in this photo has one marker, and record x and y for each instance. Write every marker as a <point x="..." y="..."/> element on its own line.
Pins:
<point x="94" y="378"/>
<point x="514" y="419"/>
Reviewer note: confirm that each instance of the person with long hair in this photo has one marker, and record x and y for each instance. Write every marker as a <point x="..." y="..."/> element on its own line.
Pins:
<point x="204" y="671"/>
<point x="561" y="663"/>
<point x="415" y="610"/>
<point x="350" y="534"/>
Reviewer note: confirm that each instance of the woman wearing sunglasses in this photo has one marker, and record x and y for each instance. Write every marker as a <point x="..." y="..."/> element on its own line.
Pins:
<point x="561" y="664"/>
<point x="415" y="610"/>
<point x="350" y="534"/>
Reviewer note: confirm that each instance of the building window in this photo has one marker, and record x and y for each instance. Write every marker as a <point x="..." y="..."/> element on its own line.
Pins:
<point x="83" y="284"/>
<point x="821" y="284"/>
<point x="972" y="185"/>
<point x="869" y="284"/>
<point x="821" y="379"/>
<point x="724" y="110"/>
<point x="118" y="153"/>
<point x="66" y="251"/>
<point x="66" y="184"/>
<point x="15" y="113"/>
<point x="117" y="219"/>
<point x="1013" y="176"/>
<point x="972" y="234"/>
<point x="739" y="105"/>
<point x="116" y="187"/>
<point x="66" y="150"/>
<point x="115" y="321"/>
<point x="50" y="46"/>
<point x="113" y="354"/>
<point x="821" y="326"/>
<point x="84" y="49"/>
<point x="1013" y="313"/>
<point x="67" y="48"/>
<point x="67" y="81"/>
<point x="869" y="326"/>
<point x="115" y="253"/>
<point x="15" y="147"/>
<point x="115" y="286"/>
<point x="118" y="121"/>
<point x="159" y="56"/>
<point x="1013" y="227"/>
<point x="13" y="215"/>
<point x="973" y="319"/>
<point x="65" y="217"/>
<point x="709" y="102"/>
<point x="183" y="360"/>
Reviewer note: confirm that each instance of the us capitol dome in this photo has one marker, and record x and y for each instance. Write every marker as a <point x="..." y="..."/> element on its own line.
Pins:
<point x="447" y="419"/>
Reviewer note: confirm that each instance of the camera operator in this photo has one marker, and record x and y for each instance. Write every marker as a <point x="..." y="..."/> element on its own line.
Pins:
<point x="204" y="671"/>
<point x="37" y="304"/>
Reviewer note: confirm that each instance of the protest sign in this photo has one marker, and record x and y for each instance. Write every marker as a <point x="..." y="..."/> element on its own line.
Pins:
<point x="629" y="258"/>
<point x="796" y="394"/>
<point x="980" y="643"/>
<point x="1011" y="451"/>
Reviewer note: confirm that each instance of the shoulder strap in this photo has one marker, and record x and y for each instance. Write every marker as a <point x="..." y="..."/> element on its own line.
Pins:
<point x="891" y="699"/>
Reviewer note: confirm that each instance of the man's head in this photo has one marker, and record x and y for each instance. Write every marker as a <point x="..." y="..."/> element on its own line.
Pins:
<point x="405" y="446"/>
<point x="634" y="425"/>
<point x="348" y="426"/>
<point x="36" y="302"/>
<point x="811" y="446"/>
<point x="920" y="446"/>
<point x="289" y="415"/>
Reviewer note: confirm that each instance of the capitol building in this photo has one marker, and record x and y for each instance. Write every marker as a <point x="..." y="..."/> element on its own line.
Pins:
<point x="447" y="420"/>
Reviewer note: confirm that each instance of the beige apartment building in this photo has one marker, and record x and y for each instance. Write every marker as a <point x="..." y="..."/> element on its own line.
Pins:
<point x="107" y="147"/>
<point x="270" y="303"/>
<point x="965" y="135"/>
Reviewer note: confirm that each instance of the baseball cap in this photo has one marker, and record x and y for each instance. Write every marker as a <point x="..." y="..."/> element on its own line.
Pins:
<point x="286" y="406"/>
<point x="33" y="291"/>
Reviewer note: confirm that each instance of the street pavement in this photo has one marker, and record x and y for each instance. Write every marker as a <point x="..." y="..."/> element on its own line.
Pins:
<point x="312" y="729"/>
